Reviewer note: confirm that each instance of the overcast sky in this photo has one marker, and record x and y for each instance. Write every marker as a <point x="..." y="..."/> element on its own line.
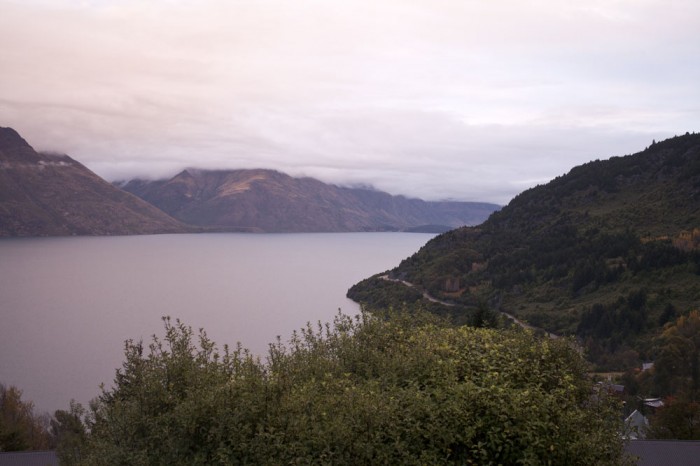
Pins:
<point x="461" y="99"/>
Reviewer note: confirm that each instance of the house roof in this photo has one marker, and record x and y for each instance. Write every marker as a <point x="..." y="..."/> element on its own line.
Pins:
<point x="29" y="458"/>
<point x="654" y="402"/>
<point x="636" y="425"/>
<point x="665" y="452"/>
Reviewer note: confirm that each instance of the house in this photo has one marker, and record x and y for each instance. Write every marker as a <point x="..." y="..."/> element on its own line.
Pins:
<point x="616" y="389"/>
<point x="664" y="452"/>
<point x="29" y="458"/>
<point x="636" y="426"/>
<point x="654" y="403"/>
<point x="612" y="388"/>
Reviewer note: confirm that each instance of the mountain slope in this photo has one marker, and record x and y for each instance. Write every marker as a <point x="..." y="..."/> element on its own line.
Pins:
<point x="53" y="195"/>
<point x="266" y="200"/>
<point x="607" y="252"/>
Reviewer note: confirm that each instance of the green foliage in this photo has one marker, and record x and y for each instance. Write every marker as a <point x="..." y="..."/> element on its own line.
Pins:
<point x="376" y="294"/>
<point x="367" y="390"/>
<point x="614" y="323"/>
<point x="678" y="419"/>
<point x="677" y="367"/>
<point x="68" y="430"/>
<point x="384" y="294"/>
<point x="20" y="428"/>
<point x="675" y="377"/>
<point x="561" y="254"/>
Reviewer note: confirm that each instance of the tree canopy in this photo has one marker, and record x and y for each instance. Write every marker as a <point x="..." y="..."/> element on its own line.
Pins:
<point x="404" y="390"/>
<point x="676" y="377"/>
<point x="605" y="252"/>
<point x="20" y="427"/>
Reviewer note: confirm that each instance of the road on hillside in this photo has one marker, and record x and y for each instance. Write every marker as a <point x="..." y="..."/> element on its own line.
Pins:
<point x="433" y="299"/>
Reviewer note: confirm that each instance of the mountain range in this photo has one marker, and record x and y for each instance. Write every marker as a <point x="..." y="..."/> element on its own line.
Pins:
<point x="270" y="201"/>
<point x="53" y="195"/>
<point x="44" y="194"/>
<point x="608" y="252"/>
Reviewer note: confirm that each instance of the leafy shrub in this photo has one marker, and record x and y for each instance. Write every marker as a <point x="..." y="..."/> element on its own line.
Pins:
<point x="365" y="390"/>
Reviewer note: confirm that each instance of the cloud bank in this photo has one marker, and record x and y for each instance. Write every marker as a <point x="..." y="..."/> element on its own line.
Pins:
<point x="460" y="99"/>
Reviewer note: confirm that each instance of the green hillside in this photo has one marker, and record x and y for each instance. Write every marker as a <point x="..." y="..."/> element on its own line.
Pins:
<point x="607" y="252"/>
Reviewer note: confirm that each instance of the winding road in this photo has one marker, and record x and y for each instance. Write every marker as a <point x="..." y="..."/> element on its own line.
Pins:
<point x="433" y="299"/>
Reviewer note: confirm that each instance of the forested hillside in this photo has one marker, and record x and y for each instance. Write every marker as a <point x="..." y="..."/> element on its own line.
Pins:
<point x="608" y="253"/>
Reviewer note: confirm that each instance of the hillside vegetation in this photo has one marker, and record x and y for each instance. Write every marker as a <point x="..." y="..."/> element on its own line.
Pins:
<point x="607" y="252"/>
<point x="365" y="390"/>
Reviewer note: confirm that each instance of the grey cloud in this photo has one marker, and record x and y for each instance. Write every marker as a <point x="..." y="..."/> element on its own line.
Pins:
<point x="437" y="99"/>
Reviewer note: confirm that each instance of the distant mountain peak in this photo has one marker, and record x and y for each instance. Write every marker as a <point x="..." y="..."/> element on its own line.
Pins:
<point x="11" y="138"/>
<point x="13" y="148"/>
<point x="53" y="195"/>
<point x="269" y="200"/>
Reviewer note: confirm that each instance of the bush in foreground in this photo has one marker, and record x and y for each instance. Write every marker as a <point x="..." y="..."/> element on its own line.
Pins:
<point x="362" y="391"/>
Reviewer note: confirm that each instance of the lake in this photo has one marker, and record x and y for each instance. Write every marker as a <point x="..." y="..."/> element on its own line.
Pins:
<point x="68" y="304"/>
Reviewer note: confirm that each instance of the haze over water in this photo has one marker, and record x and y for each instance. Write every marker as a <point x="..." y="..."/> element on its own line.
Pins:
<point x="68" y="304"/>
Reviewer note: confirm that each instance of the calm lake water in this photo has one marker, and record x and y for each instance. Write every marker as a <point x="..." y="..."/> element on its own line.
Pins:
<point x="68" y="304"/>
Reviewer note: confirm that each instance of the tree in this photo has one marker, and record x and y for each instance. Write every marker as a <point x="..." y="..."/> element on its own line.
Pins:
<point x="365" y="390"/>
<point x="678" y="419"/>
<point x="677" y="367"/>
<point x="68" y="429"/>
<point x="20" y="429"/>
<point x="668" y="314"/>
